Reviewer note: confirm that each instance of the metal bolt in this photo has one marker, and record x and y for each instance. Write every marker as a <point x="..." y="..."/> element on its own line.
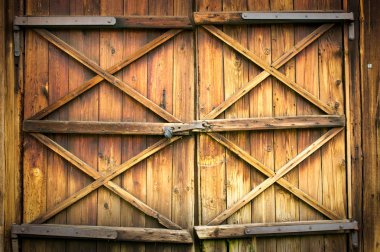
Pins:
<point x="369" y="66"/>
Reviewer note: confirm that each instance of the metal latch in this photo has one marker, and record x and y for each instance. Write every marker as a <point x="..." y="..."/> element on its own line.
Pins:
<point x="187" y="128"/>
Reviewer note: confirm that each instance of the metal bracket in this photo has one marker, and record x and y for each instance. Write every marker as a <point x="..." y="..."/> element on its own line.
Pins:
<point x="196" y="126"/>
<point x="63" y="21"/>
<point x="16" y="41"/>
<point x="298" y="17"/>
<point x="351" y="31"/>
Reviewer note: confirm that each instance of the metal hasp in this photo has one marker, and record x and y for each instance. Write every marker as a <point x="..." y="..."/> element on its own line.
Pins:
<point x="63" y="21"/>
<point x="296" y="17"/>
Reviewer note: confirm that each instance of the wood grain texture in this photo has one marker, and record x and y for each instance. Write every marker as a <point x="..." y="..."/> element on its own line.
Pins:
<point x="211" y="156"/>
<point x="134" y="180"/>
<point x="35" y="155"/>
<point x="2" y="117"/>
<point x="85" y="147"/>
<point x="183" y="199"/>
<point x="310" y="173"/>
<point x="370" y="104"/>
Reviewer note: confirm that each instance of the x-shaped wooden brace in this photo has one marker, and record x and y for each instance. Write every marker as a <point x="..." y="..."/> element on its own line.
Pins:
<point x="105" y="179"/>
<point x="273" y="176"/>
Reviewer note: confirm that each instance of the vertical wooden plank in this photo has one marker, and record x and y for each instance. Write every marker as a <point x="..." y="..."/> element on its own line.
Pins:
<point x="12" y="88"/>
<point x="2" y="118"/>
<point x="34" y="160"/>
<point x="211" y="159"/>
<point x="84" y="108"/>
<point x="110" y="109"/>
<point x="134" y="180"/>
<point x="285" y="142"/>
<point x="356" y="114"/>
<point x="237" y="172"/>
<point x="371" y="141"/>
<point x="263" y="206"/>
<point x="160" y="91"/>
<point x="183" y="108"/>
<point x="333" y="153"/>
<point x="310" y="176"/>
<point x="57" y="87"/>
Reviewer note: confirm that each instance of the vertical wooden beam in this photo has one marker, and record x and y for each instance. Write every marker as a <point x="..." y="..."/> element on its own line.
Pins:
<point x="333" y="154"/>
<point x="110" y="109"/>
<point x="211" y="156"/>
<point x="35" y="155"/>
<point x="85" y="147"/>
<point x="285" y="142"/>
<point x="237" y="171"/>
<point x="355" y="97"/>
<point x="261" y="105"/>
<point x="310" y="175"/>
<point x="160" y="91"/>
<point x="371" y="135"/>
<point x="136" y="74"/>
<point x="183" y="108"/>
<point x="58" y="84"/>
<point x="2" y="118"/>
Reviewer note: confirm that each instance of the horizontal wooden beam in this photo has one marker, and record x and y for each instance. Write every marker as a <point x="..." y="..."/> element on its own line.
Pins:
<point x="102" y="233"/>
<point x="95" y="127"/>
<point x="217" y="125"/>
<point x="274" y="123"/>
<point x="274" y="229"/>
<point x="239" y="17"/>
<point x="151" y="22"/>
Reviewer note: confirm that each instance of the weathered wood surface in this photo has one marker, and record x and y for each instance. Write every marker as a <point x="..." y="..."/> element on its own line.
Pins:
<point x="102" y="233"/>
<point x="274" y="228"/>
<point x="370" y="127"/>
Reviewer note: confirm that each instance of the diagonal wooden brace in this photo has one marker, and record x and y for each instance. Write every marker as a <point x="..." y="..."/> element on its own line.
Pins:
<point x="291" y="53"/>
<point x="104" y="179"/>
<point x="123" y="86"/>
<point x="277" y="175"/>
<point x="267" y="68"/>
<point x="306" y="198"/>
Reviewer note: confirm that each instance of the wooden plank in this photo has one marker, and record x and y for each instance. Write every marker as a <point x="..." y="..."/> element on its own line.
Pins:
<point x="269" y="172"/>
<point x="109" y="175"/>
<point x="238" y="173"/>
<point x="334" y="190"/>
<point x="285" y="142"/>
<point x="370" y="117"/>
<point x="72" y="159"/>
<point x="261" y="105"/>
<point x="85" y="211"/>
<point x="130" y="58"/>
<point x="276" y="16"/>
<point x="104" y="128"/>
<point x="13" y="89"/>
<point x="310" y="175"/>
<point x="151" y="22"/>
<point x="275" y="228"/>
<point x="106" y="75"/>
<point x="273" y="123"/>
<point x="183" y="197"/>
<point x="103" y="233"/>
<point x="356" y="119"/>
<point x="134" y="180"/>
<point x="274" y="72"/>
<point x="263" y="75"/>
<point x="104" y="22"/>
<point x="58" y="86"/>
<point x="211" y="156"/>
<point x="35" y="155"/>
<point x="160" y="91"/>
<point x="3" y="74"/>
<point x="110" y="109"/>
<point x="279" y="174"/>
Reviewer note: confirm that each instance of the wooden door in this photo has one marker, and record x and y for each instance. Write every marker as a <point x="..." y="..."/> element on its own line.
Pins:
<point x="271" y="73"/>
<point x="148" y="133"/>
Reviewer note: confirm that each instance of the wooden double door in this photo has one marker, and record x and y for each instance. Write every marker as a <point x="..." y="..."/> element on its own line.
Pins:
<point x="174" y="128"/>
